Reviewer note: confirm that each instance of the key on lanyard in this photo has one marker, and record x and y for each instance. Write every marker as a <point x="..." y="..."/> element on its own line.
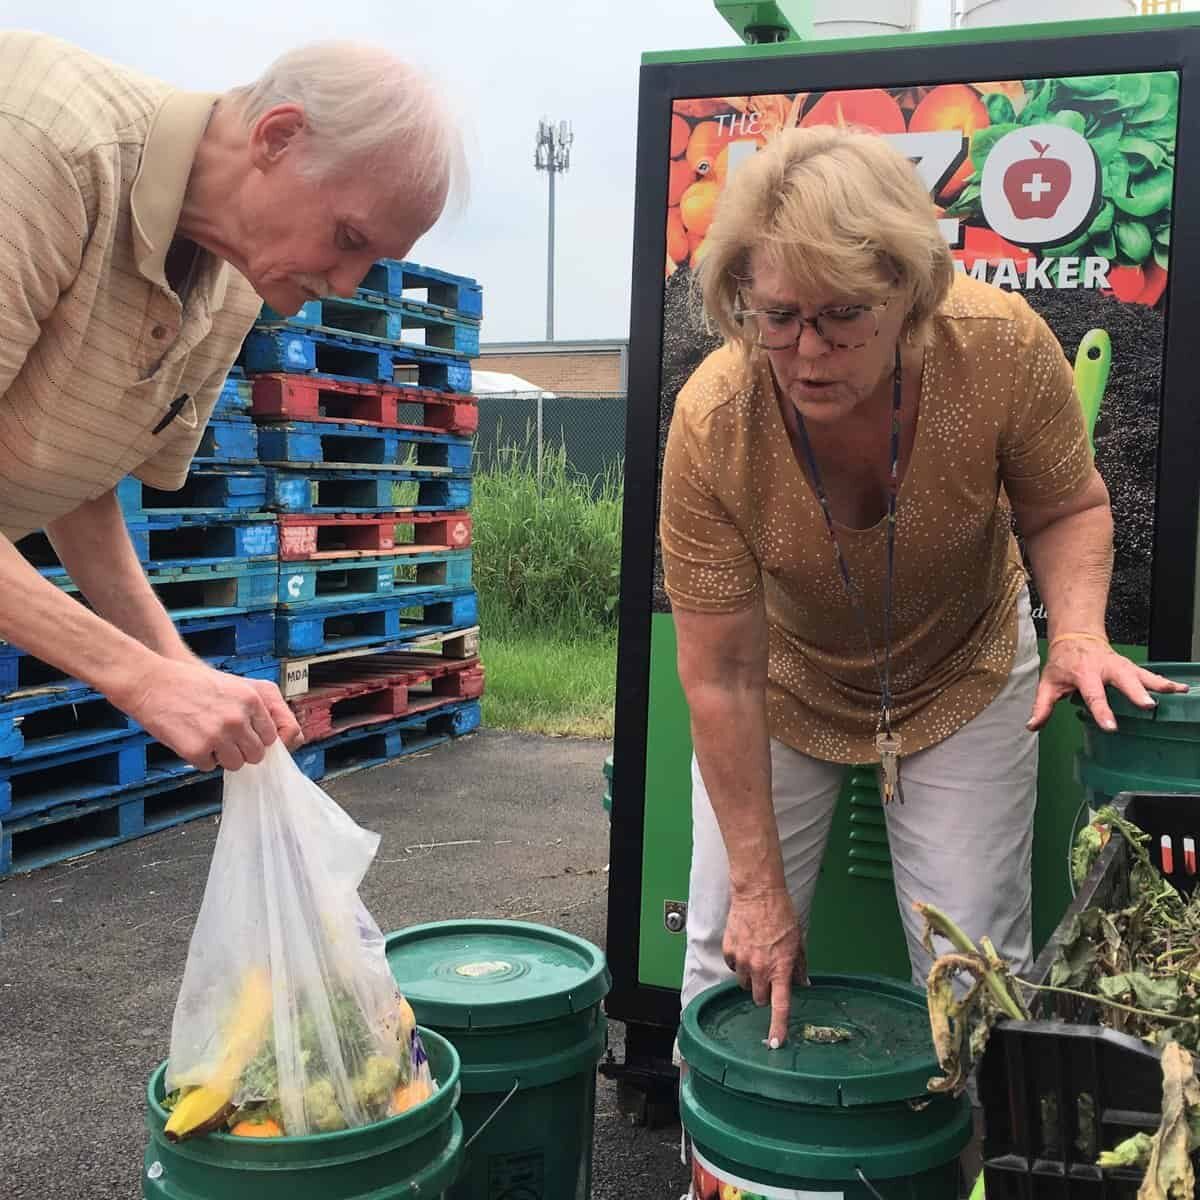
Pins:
<point x="888" y="745"/>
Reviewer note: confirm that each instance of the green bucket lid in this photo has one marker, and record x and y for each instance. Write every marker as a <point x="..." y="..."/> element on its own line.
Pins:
<point x="489" y="974"/>
<point x="887" y="1057"/>
<point x="1176" y="706"/>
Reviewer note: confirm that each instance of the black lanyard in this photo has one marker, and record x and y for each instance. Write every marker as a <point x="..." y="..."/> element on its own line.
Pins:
<point x="887" y="742"/>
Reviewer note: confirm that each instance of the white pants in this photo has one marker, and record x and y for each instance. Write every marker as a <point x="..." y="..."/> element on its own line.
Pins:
<point x="962" y="840"/>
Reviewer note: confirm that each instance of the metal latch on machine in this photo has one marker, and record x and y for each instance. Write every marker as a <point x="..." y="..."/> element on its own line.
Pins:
<point x="675" y="916"/>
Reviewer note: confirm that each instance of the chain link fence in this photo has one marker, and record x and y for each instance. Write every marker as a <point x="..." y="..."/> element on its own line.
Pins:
<point x="588" y="426"/>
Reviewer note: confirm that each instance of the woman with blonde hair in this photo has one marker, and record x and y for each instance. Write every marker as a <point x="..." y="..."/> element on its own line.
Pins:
<point x="839" y="489"/>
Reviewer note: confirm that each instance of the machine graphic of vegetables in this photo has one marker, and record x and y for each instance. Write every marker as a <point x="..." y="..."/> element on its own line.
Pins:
<point x="1128" y="121"/>
<point x="1093" y="361"/>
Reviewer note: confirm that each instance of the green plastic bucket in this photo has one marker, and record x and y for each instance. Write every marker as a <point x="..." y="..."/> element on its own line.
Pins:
<point x="1155" y="750"/>
<point x="807" y="1118"/>
<point x="416" y="1154"/>
<point x="521" y="1003"/>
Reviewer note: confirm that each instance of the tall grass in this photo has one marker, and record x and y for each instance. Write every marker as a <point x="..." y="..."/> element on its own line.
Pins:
<point x="546" y="554"/>
<point x="547" y="562"/>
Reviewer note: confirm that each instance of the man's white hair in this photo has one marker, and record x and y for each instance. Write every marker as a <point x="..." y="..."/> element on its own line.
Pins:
<point x="363" y="105"/>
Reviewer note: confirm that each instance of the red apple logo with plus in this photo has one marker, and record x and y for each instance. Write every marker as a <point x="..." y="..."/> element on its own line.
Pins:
<point x="1036" y="187"/>
<point x="1040" y="185"/>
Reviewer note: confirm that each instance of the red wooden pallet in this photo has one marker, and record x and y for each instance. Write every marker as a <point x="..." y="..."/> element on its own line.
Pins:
<point x="313" y="398"/>
<point x="312" y="537"/>
<point x="366" y="691"/>
<point x="460" y="644"/>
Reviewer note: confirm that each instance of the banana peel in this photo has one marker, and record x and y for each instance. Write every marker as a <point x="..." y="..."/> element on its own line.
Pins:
<point x="201" y="1110"/>
<point x="408" y="1020"/>
<point x="204" y="1108"/>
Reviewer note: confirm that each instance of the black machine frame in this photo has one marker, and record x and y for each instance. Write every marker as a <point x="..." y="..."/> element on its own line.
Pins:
<point x="651" y="1013"/>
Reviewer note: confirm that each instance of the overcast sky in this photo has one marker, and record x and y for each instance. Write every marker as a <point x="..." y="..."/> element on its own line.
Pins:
<point x="506" y="63"/>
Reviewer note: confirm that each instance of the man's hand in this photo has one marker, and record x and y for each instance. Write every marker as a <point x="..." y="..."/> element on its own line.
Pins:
<point x="208" y="718"/>
<point x="1085" y="666"/>
<point x="764" y="949"/>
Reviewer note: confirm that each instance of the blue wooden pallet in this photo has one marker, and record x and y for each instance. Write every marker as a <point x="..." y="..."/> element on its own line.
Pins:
<point x="70" y="830"/>
<point x="442" y="332"/>
<point x="324" y="445"/>
<point x="381" y="318"/>
<point x="204" y="491"/>
<point x="194" y="541"/>
<point x="456" y="293"/>
<point x="227" y="442"/>
<point x="179" y="542"/>
<point x="223" y="642"/>
<point x="368" y="622"/>
<point x="262" y="666"/>
<point x="85" y="773"/>
<point x="235" y="403"/>
<point x="363" y="492"/>
<point x="430" y="368"/>
<point x="371" y="747"/>
<point x="47" y="724"/>
<point x="340" y="580"/>
<point x="281" y="348"/>
<point x="208" y="591"/>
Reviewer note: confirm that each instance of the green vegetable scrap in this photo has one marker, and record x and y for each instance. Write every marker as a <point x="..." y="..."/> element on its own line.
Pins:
<point x="1091" y="841"/>
<point x="374" y="1076"/>
<point x="374" y="1086"/>
<point x="321" y="1107"/>
<point x="826" y="1034"/>
<point x="1132" y="1152"/>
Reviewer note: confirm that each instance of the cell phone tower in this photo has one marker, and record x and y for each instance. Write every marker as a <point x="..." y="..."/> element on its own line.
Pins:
<point x="552" y="155"/>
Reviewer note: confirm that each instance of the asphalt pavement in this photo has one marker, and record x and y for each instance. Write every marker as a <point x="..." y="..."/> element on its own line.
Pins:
<point x="92" y="952"/>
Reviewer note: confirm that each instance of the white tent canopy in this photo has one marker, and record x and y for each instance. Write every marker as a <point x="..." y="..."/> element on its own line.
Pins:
<point x="500" y="383"/>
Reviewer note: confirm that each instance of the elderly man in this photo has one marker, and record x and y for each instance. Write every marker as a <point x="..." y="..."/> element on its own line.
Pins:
<point x="139" y="227"/>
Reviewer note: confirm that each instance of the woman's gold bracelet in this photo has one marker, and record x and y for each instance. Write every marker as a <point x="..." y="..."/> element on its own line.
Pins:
<point x="1078" y="637"/>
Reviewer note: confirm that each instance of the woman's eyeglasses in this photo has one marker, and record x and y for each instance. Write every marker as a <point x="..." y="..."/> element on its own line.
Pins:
<point x="843" y="327"/>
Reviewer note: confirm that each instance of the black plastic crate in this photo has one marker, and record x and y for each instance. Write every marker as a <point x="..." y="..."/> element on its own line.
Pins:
<point x="1057" y="1092"/>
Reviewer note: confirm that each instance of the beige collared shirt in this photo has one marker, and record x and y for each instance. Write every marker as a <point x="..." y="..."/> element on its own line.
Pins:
<point x="94" y="344"/>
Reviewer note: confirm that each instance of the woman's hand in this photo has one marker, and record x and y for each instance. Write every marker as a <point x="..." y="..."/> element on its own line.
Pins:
<point x="1085" y="666"/>
<point x="764" y="949"/>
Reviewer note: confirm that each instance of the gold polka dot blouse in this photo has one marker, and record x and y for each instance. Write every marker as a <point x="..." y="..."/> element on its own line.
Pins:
<point x="998" y="419"/>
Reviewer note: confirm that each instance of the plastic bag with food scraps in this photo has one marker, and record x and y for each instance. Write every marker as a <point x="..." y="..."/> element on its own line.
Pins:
<point x="289" y="1021"/>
